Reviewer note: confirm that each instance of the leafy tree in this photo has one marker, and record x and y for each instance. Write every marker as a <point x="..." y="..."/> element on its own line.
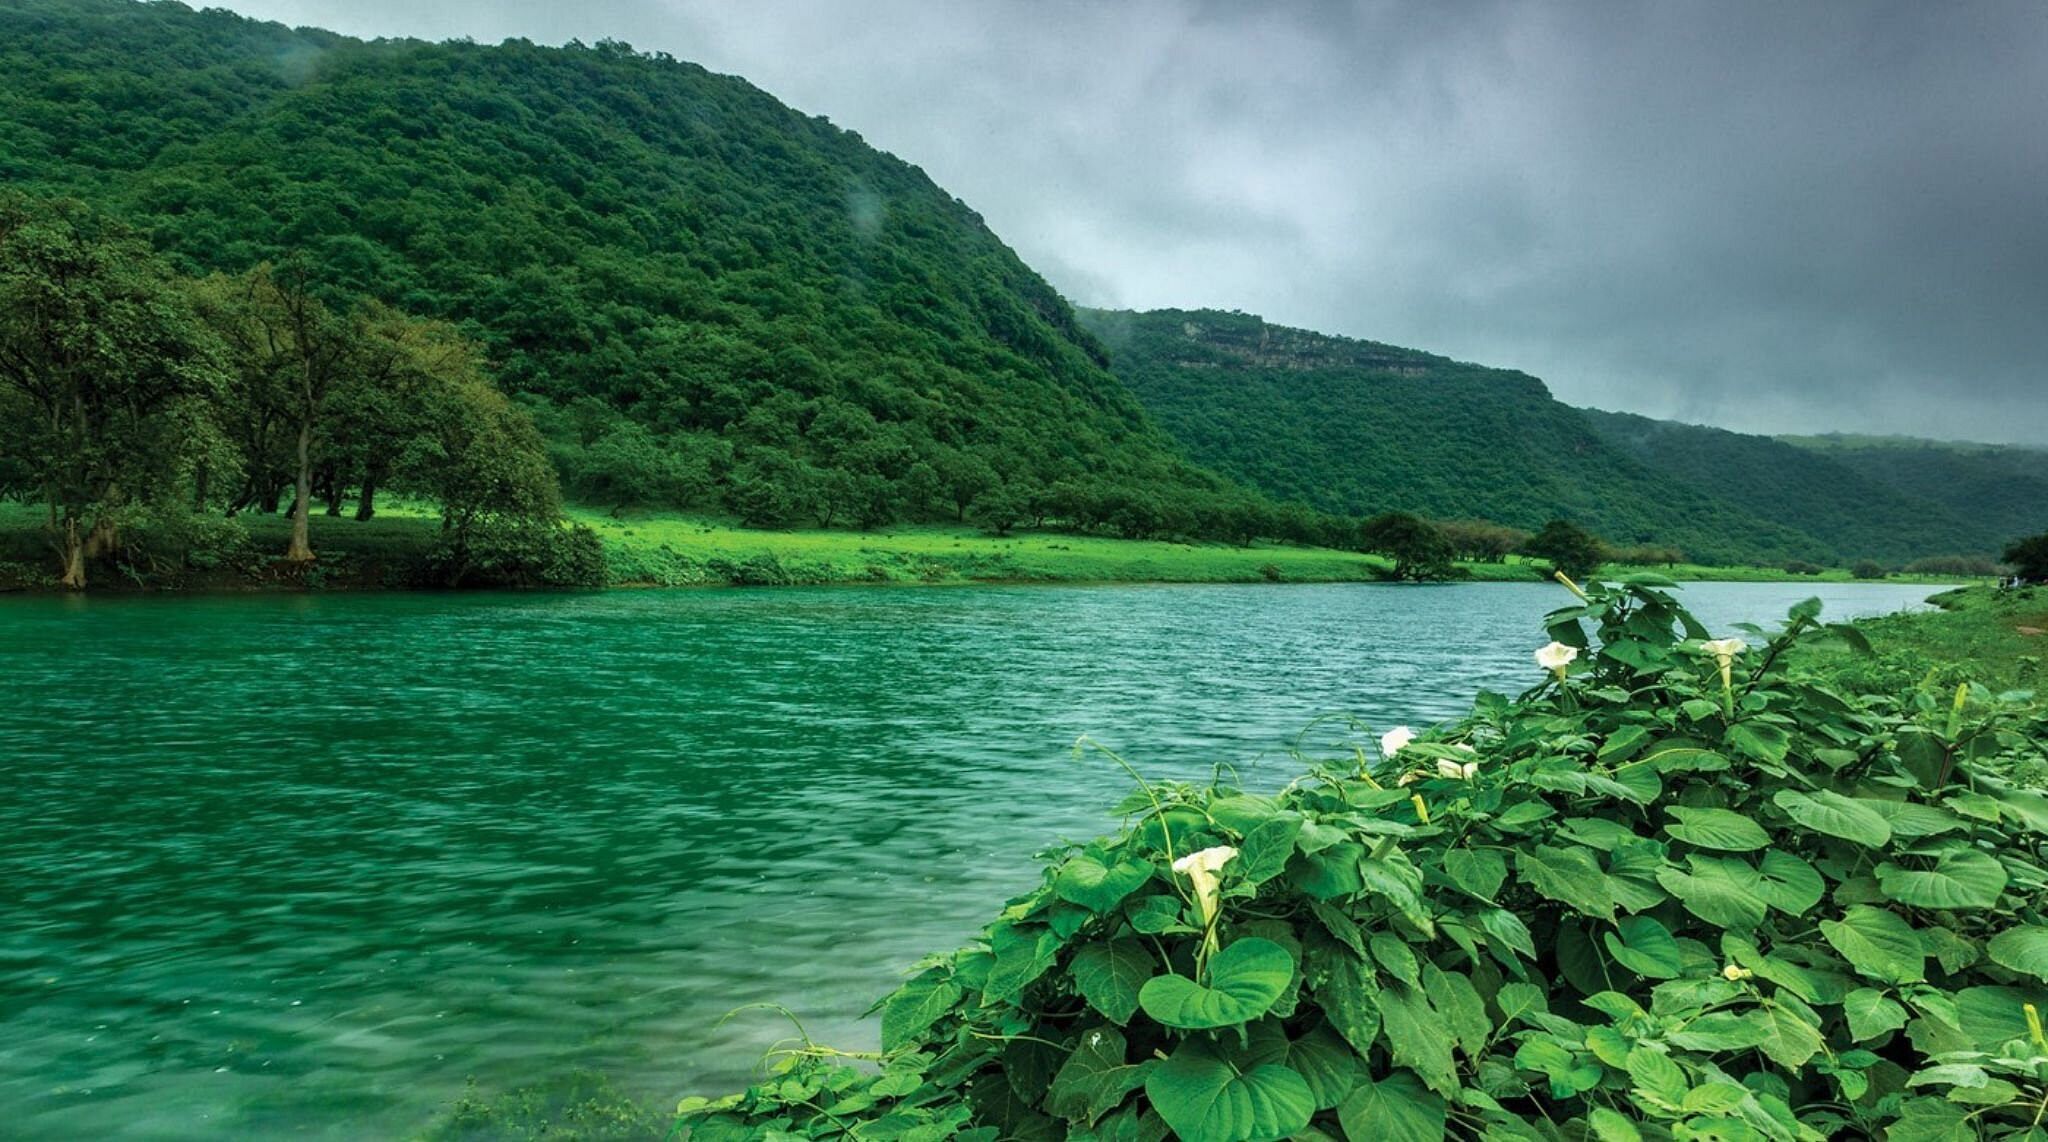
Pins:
<point x="104" y="375"/>
<point x="1004" y="507"/>
<point x="1567" y="547"/>
<point x="2029" y="557"/>
<point x="1419" y="551"/>
<point x="1868" y="569"/>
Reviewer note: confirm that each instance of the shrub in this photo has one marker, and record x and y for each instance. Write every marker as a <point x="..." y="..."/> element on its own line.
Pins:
<point x="515" y="551"/>
<point x="1868" y="569"/>
<point x="1673" y="892"/>
<point x="2029" y="556"/>
<point x="1802" y="567"/>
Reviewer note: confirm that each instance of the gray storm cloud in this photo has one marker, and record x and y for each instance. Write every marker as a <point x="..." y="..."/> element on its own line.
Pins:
<point x="1772" y="217"/>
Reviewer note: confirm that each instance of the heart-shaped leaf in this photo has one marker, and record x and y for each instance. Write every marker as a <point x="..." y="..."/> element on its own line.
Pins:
<point x="1831" y="813"/>
<point x="1095" y="1078"/>
<point x="1397" y="1108"/>
<point x="1645" y="947"/>
<point x="1879" y="944"/>
<point x="1960" y="878"/>
<point x="1098" y="887"/>
<point x="2023" y="950"/>
<point x="1206" y="1098"/>
<point x="1716" y="829"/>
<point x="1245" y="979"/>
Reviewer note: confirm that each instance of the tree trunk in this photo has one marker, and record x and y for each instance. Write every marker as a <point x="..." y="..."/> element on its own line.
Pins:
<point x="102" y="540"/>
<point x="300" y="549"/>
<point x="74" y="558"/>
<point x="366" y="504"/>
<point x="333" y="491"/>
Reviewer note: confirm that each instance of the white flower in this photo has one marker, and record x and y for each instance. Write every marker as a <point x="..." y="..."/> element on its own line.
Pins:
<point x="1445" y="767"/>
<point x="1732" y="973"/>
<point x="1201" y="869"/>
<point x="1724" y="648"/>
<point x="1556" y="657"/>
<point x="1392" y="741"/>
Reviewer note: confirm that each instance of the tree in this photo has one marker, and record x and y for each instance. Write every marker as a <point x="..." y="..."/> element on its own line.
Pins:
<point x="1567" y="547"/>
<point x="104" y="372"/>
<point x="1419" y="551"/>
<point x="290" y="351"/>
<point x="2029" y="557"/>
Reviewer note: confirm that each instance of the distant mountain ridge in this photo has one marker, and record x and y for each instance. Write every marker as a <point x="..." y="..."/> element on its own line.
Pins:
<point x="1359" y="426"/>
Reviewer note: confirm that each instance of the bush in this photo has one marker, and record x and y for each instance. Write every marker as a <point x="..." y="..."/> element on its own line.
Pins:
<point x="1673" y="892"/>
<point x="1868" y="569"/>
<point x="1802" y="567"/>
<point x="1567" y="547"/>
<point x="2029" y="557"/>
<point x="511" y="551"/>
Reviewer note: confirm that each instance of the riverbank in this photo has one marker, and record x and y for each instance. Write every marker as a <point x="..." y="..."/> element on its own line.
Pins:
<point x="645" y="549"/>
<point x="1997" y="639"/>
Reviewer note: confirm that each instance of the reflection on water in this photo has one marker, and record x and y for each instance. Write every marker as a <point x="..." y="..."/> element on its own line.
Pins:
<point x="308" y="864"/>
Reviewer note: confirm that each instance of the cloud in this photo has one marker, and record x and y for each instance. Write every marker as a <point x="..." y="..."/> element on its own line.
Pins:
<point x="1767" y="216"/>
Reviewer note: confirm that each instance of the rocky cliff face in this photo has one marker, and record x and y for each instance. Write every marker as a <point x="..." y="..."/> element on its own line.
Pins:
<point x="1252" y="342"/>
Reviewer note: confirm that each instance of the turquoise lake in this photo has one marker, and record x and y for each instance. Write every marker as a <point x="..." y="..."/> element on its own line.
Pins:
<point x="316" y="865"/>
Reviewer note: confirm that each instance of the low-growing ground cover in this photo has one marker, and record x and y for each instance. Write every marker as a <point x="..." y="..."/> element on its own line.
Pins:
<point x="1680" y="889"/>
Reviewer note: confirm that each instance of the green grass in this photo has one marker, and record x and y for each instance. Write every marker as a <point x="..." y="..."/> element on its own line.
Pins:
<point x="677" y="550"/>
<point x="1980" y="635"/>
<point x="670" y="550"/>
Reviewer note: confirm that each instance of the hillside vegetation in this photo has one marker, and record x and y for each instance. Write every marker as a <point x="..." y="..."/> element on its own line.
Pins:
<point x="1354" y="426"/>
<point x="705" y="297"/>
<point x="2002" y="487"/>
<point x="1845" y="505"/>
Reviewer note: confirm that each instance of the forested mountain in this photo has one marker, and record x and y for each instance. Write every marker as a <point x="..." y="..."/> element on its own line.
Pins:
<point x="2002" y="487"/>
<point x="1859" y="514"/>
<point x="1356" y="426"/>
<point x="706" y="297"/>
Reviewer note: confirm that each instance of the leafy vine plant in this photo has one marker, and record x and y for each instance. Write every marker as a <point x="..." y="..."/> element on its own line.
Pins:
<point x="1681" y="888"/>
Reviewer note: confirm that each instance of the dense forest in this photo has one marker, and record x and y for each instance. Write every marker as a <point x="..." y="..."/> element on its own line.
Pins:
<point x="2002" y="488"/>
<point x="1856" y="512"/>
<point x="1355" y="426"/>
<point x="704" y="298"/>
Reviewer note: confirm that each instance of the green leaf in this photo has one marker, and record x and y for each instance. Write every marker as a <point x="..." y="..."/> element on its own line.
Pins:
<point x="1154" y="915"/>
<point x="1960" y="879"/>
<point x="1719" y="1031"/>
<point x="1394" y="955"/>
<point x="1266" y="848"/>
<point x="1109" y="974"/>
<point x="1609" y="1126"/>
<point x="916" y="1006"/>
<point x="1568" y="876"/>
<point x="1787" y="1039"/>
<point x="1872" y="1013"/>
<point x="1723" y="892"/>
<point x="1831" y="813"/>
<point x="1878" y="944"/>
<point x="1516" y="1000"/>
<point x="1717" y="829"/>
<point x="1507" y="929"/>
<point x="1205" y="1098"/>
<point x="1478" y="873"/>
<point x="1417" y="1037"/>
<point x="1463" y="1009"/>
<point x="1095" y="1078"/>
<point x="1351" y="1002"/>
<point x="1396" y="1108"/>
<point x="1320" y="1057"/>
<point x="1645" y="947"/>
<point x="1022" y="955"/>
<point x="1087" y="882"/>
<point x="2024" y="950"/>
<point x="1655" y="1075"/>
<point x="1788" y="884"/>
<point x="1760" y="740"/>
<point x="1245" y="979"/>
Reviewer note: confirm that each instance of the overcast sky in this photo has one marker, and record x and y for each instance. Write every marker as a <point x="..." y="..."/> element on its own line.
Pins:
<point x="1768" y="216"/>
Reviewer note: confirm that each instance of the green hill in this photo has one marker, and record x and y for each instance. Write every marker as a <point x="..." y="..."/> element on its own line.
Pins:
<point x="1360" y="427"/>
<point x="2001" y="488"/>
<point x="1856" y="513"/>
<point x="706" y="297"/>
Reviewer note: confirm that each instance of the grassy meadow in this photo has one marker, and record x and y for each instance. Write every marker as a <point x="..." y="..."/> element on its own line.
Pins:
<point x="650" y="549"/>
